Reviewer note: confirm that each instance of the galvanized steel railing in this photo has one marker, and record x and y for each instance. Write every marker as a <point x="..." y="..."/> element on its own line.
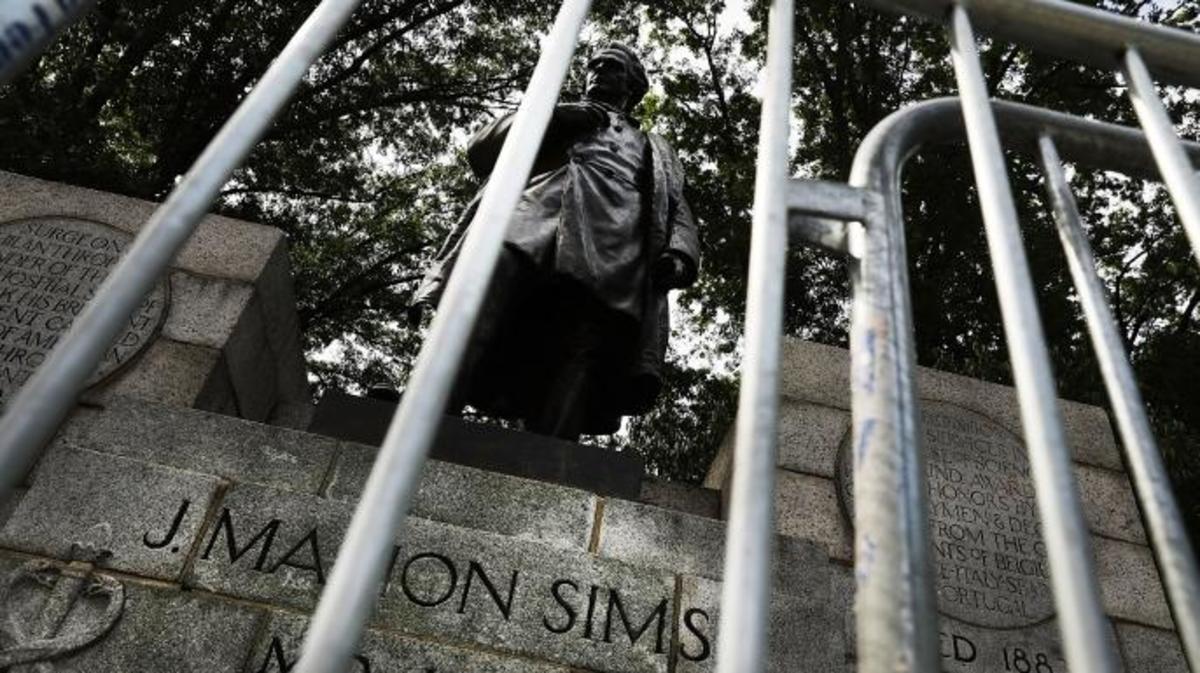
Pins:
<point x="895" y="603"/>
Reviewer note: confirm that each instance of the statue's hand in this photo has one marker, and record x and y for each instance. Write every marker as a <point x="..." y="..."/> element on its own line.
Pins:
<point x="579" y="117"/>
<point x="670" y="272"/>
<point x="416" y="314"/>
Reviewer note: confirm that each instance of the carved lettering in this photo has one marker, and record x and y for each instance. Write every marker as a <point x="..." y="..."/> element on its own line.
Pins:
<point x="505" y="605"/>
<point x="659" y="616"/>
<point x="49" y="269"/>
<point x="225" y="524"/>
<point x="689" y="623"/>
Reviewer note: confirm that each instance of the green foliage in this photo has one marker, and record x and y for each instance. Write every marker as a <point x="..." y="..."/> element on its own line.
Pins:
<point x="364" y="174"/>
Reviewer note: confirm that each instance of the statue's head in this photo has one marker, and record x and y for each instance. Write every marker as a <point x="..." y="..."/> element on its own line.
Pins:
<point x="616" y="76"/>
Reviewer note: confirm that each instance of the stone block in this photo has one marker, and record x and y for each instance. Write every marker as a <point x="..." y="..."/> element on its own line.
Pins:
<point x="202" y="442"/>
<point x="809" y="437"/>
<point x="277" y="294"/>
<point x="146" y="516"/>
<point x="381" y="652"/>
<point x="157" y="630"/>
<point x="205" y="310"/>
<point x="220" y="246"/>
<point x="802" y="637"/>
<point x="695" y="500"/>
<point x="807" y="507"/>
<point x="525" y="509"/>
<point x="966" y="648"/>
<point x="1129" y="583"/>
<point x="446" y="582"/>
<point x="1109" y="505"/>
<point x="672" y="541"/>
<point x="820" y="374"/>
<point x="1148" y="650"/>
<point x="252" y="367"/>
<point x="173" y="373"/>
<point x="841" y="601"/>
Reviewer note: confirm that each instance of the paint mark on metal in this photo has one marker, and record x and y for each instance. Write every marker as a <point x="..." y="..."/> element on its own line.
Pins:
<point x="865" y="430"/>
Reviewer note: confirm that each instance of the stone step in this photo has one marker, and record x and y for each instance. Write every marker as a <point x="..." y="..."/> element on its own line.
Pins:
<point x="254" y="514"/>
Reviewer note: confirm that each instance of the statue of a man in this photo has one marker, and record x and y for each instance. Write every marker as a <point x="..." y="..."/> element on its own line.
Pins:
<point x="574" y="329"/>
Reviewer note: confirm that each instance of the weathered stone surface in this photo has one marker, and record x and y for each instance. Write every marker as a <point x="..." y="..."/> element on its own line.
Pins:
<point x="447" y="582"/>
<point x="158" y="630"/>
<point x="49" y="268"/>
<point x="124" y="506"/>
<point x="529" y="510"/>
<point x="175" y="374"/>
<point x="381" y="652"/>
<point x="1109" y="505"/>
<point x="9" y="504"/>
<point x="687" y="498"/>
<point x="672" y="541"/>
<point x="807" y="507"/>
<point x="1148" y="650"/>
<point x="220" y="246"/>
<point x="803" y="637"/>
<point x="1129" y="583"/>
<point x="205" y="310"/>
<point x="204" y="442"/>
<point x="821" y="375"/>
<point x="841" y="601"/>
<point x="809" y="437"/>
<point x="991" y="566"/>
<point x="252" y="365"/>
<point x="966" y="648"/>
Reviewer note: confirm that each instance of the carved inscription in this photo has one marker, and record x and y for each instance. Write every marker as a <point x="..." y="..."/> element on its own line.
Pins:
<point x="990" y="561"/>
<point x="49" y="269"/>
<point x="433" y="586"/>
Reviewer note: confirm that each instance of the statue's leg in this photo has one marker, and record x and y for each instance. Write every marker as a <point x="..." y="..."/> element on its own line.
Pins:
<point x="564" y="409"/>
<point x="508" y="284"/>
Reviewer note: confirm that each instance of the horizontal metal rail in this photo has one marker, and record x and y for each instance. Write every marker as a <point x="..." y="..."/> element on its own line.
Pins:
<point x="1172" y="547"/>
<point x="354" y="586"/>
<point x="27" y="27"/>
<point x="750" y="531"/>
<point x="1072" y="31"/>
<point x="34" y="415"/>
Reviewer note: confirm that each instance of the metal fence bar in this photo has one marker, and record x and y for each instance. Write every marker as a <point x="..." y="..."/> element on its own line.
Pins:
<point x="1076" y="590"/>
<point x="27" y="27"/>
<point x="1170" y="539"/>
<point x="895" y="605"/>
<point x="750" y="529"/>
<point x="34" y="415"/>
<point x="1177" y="171"/>
<point x="1074" y="31"/>
<point x="354" y="584"/>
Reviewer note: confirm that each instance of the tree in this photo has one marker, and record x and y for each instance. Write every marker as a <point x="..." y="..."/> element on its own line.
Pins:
<point x="364" y="174"/>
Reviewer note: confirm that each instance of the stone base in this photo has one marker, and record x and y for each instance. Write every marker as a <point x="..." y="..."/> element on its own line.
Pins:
<point x="206" y="541"/>
<point x="992" y="583"/>
<point x="489" y="447"/>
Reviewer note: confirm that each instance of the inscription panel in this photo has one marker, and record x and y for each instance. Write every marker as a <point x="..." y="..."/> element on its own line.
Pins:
<point x="49" y="269"/>
<point x="990" y="561"/>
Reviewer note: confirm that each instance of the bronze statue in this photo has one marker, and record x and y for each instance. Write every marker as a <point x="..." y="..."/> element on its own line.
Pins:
<point x="574" y="330"/>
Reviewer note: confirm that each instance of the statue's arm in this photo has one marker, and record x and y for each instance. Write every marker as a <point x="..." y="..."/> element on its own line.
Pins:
<point x="684" y="243"/>
<point x="484" y="147"/>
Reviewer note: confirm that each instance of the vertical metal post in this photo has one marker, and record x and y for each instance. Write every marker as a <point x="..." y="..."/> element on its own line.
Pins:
<point x="1167" y="532"/>
<point x="1068" y="548"/>
<point x="750" y="533"/>
<point x="27" y="27"/>
<point x="33" y="416"/>
<point x="1177" y="171"/>
<point x="895" y="605"/>
<point x="363" y="559"/>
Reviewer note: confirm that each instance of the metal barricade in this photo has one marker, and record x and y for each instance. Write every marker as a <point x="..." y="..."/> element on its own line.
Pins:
<point x="895" y="603"/>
